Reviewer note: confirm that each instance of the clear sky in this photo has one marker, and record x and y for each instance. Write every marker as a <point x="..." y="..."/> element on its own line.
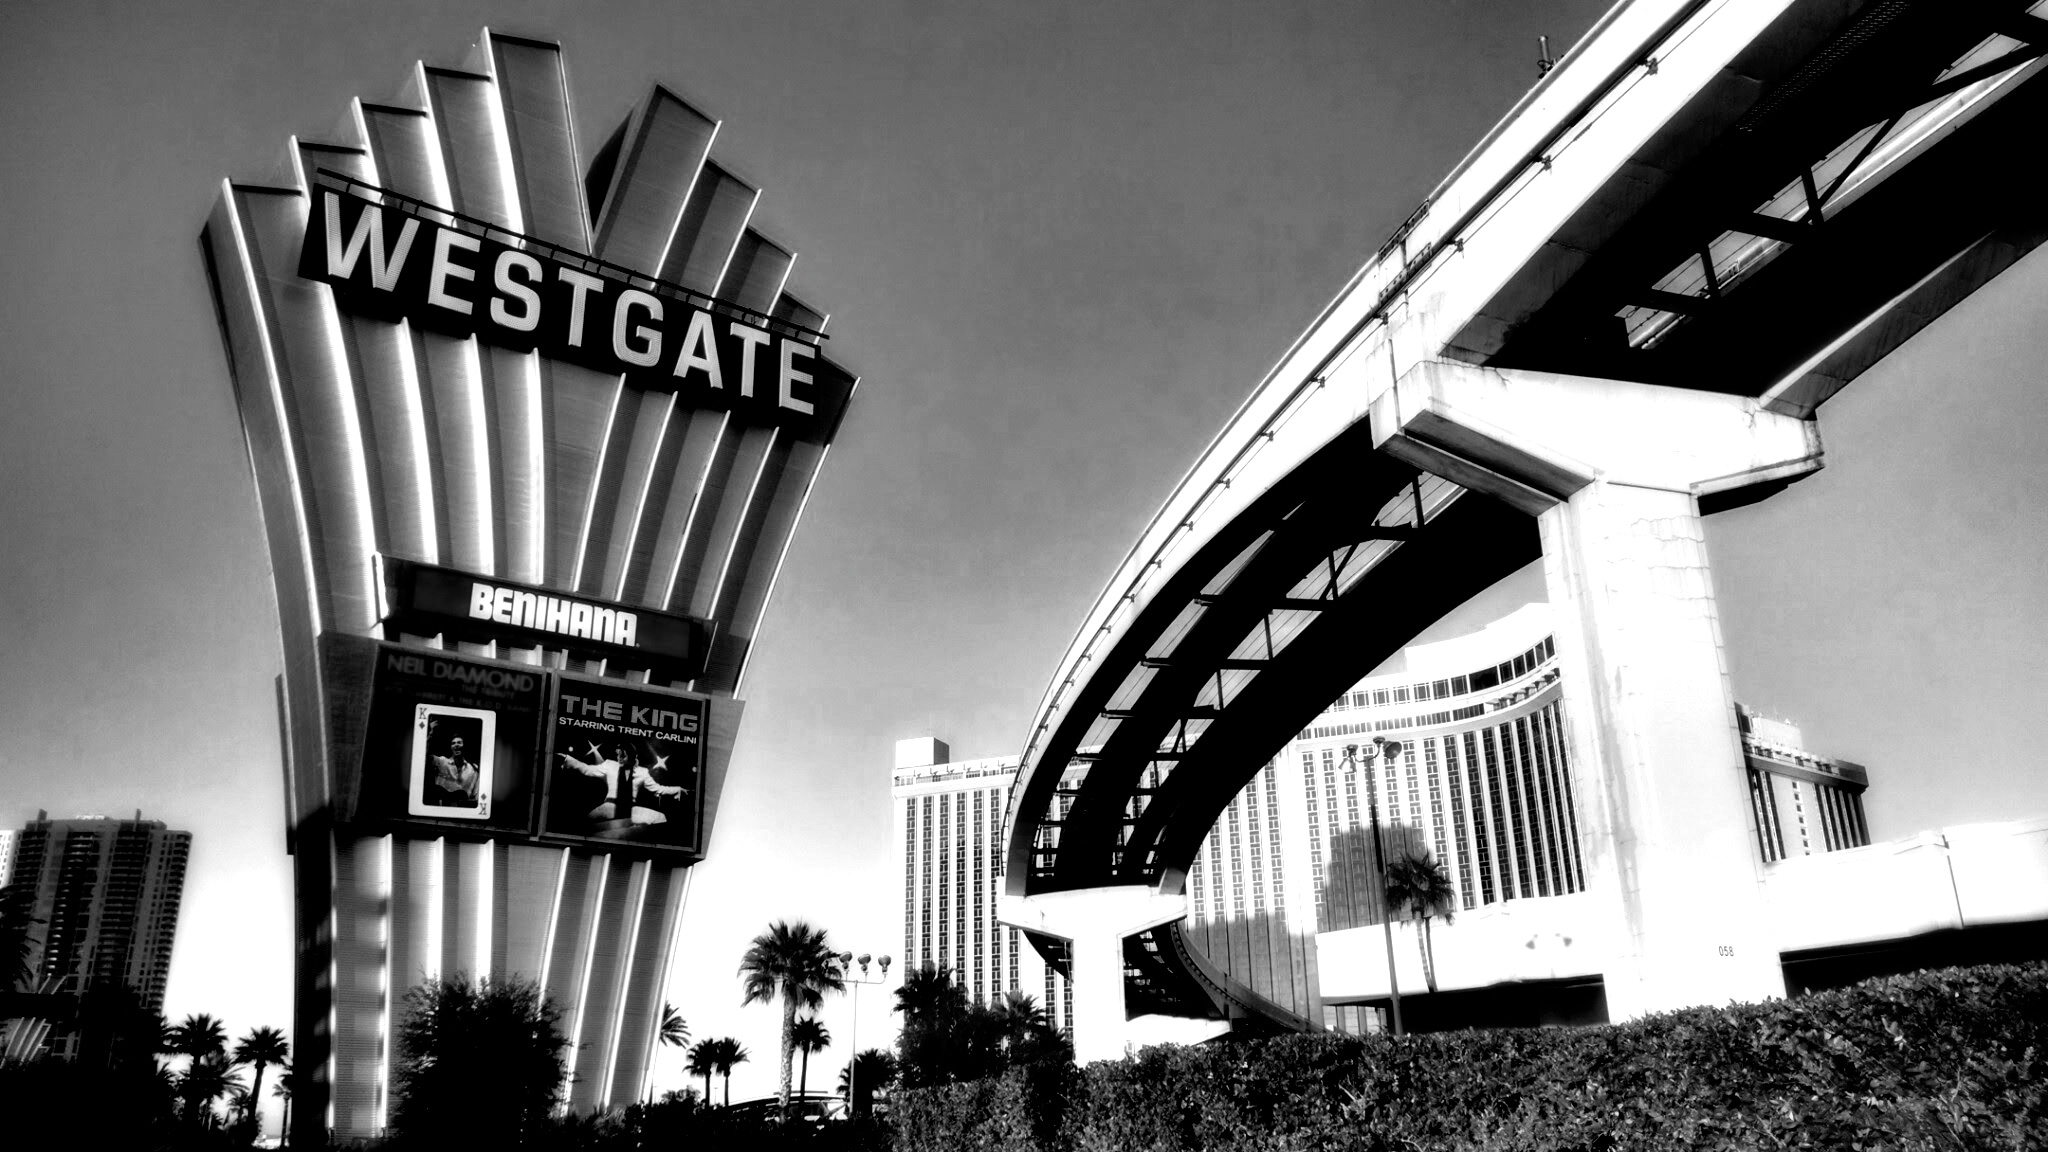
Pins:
<point x="1061" y="242"/>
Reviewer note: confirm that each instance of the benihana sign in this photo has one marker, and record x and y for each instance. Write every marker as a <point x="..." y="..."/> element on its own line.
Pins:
<point x="389" y="262"/>
<point x="427" y="599"/>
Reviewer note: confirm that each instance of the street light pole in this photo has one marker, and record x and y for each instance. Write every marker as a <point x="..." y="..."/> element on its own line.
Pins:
<point x="1352" y="753"/>
<point x="846" y="962"/>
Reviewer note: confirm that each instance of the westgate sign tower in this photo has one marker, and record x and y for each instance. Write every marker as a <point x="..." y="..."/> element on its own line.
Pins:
<point x="531" y="429"/>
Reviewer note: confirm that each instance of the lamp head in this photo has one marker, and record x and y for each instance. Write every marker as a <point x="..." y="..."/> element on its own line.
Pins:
<point x="885" y="966"/>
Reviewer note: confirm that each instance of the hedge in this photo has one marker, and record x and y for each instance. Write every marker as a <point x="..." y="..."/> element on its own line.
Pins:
<point x="1946" y="1059"/>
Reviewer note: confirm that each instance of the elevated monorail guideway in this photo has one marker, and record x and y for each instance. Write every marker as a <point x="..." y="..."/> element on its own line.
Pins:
<point x="1620" y="312"/>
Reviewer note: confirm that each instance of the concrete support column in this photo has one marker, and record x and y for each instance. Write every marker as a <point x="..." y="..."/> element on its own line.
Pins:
<point x="1615" y="473"/>
<point x="1658" y="760"/>
<point x="1095" y="922"/>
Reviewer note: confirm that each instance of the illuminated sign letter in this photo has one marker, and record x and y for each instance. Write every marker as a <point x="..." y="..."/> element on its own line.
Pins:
<point x="444" y="269"/>
<point x="580" y="284"/>
<point x="783" y="396"/>
<point x="750" y="339"/>
<point x="480" y="596"/>
<point x="700" y="351"/>
<point x="579" y="620"/>
<point x="341" y="262"/>
<point x="529" y="319"/>
<point x="650" y="338"/>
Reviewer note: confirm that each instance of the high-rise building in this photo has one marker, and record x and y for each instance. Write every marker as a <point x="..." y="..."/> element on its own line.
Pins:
<point x="9" y="838"/>
<point x="1800" y="804"/>
<point x="948" y="817"/>
<point x="106" y="895"/>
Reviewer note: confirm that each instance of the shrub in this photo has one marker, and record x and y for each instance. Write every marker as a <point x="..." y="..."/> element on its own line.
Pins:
<point x="1947" y="1059"/>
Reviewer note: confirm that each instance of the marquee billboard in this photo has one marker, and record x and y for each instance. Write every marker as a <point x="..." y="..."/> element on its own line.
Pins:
<point x="434" y="743"/>
<point x="531" y="426"/>
<point x="625" y="764"/>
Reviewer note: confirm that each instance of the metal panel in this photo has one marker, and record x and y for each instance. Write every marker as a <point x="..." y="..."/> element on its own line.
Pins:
<point x="319" y="405"/>
<point x="581" y="893"/>
<point x="475" y="160"/>
<point x="748" y="457"/>
<point x="756" y="273"/>
<point x="362" y="890"/>
<point x="469" y="911"/>
<point x="476" y="152"/>
<point x="636" y="929"/>
<point x="661" y="153"/>
<point x="608" y="940"/>
<point x="395" y="463"/>
<point x="642" y="477"/>
<point x="719" y="207"/>
<point x="535" y="96"/>
<point x="666" y="142"/>
<point x="415" y="914"/>
<point x="578" y="409"/>
<point x="751" y="581"/>
<point x="444" y="382"/>
<point x="280" y="495"/>
<point x="522" y="897"/>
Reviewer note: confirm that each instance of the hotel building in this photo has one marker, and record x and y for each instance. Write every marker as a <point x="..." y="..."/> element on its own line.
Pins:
<point x="107" y="893"/>
<point x="948" y="818"/>
<point x="1800" y="803"/>
<point x="1483" y="783"/>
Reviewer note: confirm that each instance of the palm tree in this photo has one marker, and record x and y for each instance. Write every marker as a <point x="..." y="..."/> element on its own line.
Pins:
<point x="809" y="1036"/>
<point x="868" y="1073"/>
<point x="703" y="1062"/>
<point x="197" y="1036"/>
<point x="927" y="995"/>
<point x="673" y="1032"/>
<point x="791" y="961"/>
<point x="726" y="1054"/>
<point x="1418" y="883"/>
<point x="261" y="1048"/>
<point x="208" y="1079"/>
<point x="283" y="1092"/>
<point x="1020" y="1017"/>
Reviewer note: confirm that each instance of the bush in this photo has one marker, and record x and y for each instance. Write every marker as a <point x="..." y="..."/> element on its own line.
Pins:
<point x="1948" y="1059"/>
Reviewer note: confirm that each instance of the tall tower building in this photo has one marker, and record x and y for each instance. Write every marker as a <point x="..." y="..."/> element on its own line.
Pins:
<point x="1801" y="804"/>
<point x="9" y="838"/>
<point x="948" y="816"/>
<point x="107" y="894"/>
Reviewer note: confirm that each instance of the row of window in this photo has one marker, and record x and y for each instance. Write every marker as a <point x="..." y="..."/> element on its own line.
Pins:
<point x="1480" y="681"/>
